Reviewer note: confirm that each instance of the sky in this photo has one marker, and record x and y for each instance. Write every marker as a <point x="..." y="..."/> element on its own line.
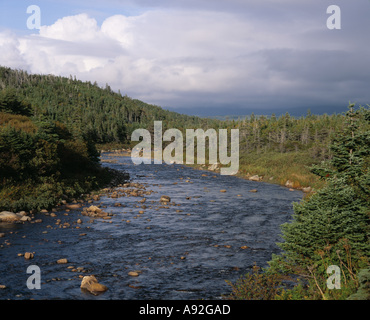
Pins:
<point x="200" y="57"/>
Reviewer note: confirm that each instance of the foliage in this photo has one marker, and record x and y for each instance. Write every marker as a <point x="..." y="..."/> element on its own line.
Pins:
<point x="255" y="286"/>
<point x="10" y="103"/>
<point x="42" y="162"/>
<point x="332" y="226"/>
<point x="281" y="147"/>
<point x="363" y="292"/>
<point x="276" y="167"/>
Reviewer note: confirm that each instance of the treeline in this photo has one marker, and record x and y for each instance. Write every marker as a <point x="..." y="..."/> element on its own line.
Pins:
<point x="281" y="149"/>
<point x="287" y="134"/>
<point x="103" y="116"/>
<point x="97" y="114"/>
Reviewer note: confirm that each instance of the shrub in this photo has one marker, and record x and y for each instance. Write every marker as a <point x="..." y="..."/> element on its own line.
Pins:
<point x="255" y="286"/>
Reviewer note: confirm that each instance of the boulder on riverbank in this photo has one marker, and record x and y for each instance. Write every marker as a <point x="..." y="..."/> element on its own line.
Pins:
<point x="255" y="178"/>
<point x="289" y="184"/>
<point x="7" y="216"/>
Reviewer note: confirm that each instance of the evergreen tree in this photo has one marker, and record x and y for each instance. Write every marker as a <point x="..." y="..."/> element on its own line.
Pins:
<point x="10" y="103"/>
<point x="350" y="154"/>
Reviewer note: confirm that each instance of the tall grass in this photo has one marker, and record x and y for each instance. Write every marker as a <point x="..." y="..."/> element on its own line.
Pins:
<point x="280" y="167"/>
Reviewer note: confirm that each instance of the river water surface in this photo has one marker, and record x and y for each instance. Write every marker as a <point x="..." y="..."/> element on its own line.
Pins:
<point x="182" y="251"/>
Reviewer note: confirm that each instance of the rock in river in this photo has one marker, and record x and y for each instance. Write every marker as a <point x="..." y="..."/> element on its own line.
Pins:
<point x="73" y="206"/>
<point x="165" y="199"/>
<point x="94" y="209"/>
<point x="91" y="284"/>
<point x="28" y="255"/>
<point x="62" y="261"/>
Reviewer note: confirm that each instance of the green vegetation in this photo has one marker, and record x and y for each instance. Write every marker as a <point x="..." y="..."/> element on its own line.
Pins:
<point x="332" y="226"/>
<point x="256" y="286"/>
<point x="41" y="162"/>
<point x="284" y="148"/>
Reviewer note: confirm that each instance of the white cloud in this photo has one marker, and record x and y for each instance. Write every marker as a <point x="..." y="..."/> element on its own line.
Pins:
<point x="183" y="56"/>
<point x="165" y="51"/>
<point x="10" y="55"/>
<point x="74" y="28"/>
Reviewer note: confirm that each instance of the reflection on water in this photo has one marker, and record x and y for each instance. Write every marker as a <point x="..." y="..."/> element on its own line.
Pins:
<point x="185" y="250"/>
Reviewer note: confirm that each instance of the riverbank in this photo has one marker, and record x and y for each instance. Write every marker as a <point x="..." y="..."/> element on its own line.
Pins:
<point x="291" y="169"/>
<point x="67" y="198"/>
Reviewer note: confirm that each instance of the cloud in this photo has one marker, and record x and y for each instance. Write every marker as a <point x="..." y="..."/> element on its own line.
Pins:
<point x="193" y="54"/>
<point x="74" y="28"/>
<point x="10" y="55"/>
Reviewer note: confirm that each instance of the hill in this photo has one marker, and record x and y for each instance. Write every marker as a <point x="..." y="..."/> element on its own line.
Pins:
<point x="94" y="113"/>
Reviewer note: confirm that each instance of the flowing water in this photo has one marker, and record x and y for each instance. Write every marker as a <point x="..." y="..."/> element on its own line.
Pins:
<point x="182" y="251"/>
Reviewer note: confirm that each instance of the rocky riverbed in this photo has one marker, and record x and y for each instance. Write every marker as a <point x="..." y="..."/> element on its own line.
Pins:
<point x="172" y="232"/>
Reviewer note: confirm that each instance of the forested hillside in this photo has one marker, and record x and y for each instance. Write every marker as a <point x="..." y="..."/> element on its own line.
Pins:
<point x="42" y="161"/>
<point x="49" y="128"/>
<point x="89" y="111"/>
<point x="103" y="116"/>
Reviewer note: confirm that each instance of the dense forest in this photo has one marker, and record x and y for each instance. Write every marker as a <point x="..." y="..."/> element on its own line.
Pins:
<point x="95" y="113"/>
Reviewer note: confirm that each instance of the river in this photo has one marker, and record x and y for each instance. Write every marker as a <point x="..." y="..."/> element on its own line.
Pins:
<point x="181" y="251"/>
